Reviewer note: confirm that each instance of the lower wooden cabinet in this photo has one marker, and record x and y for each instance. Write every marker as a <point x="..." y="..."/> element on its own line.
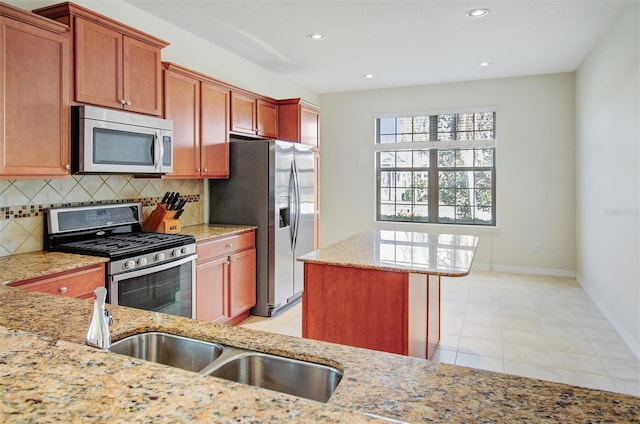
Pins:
<point x="226" y="278"/>
<point x="79" y="283"/>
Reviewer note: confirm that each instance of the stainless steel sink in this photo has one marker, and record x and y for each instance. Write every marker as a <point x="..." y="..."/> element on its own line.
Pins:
<point x="168" y="349"/>
<point x="299" y="378"/>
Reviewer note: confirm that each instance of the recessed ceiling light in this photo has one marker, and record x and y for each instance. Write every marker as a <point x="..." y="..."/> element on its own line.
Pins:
<point x="477" y="13"/>
<point x="368" y="76"/>
<point x="485" y="64"/>
<point x="316" y="36"/>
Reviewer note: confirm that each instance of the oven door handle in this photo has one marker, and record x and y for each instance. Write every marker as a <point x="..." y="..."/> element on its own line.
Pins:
<point x="146" y="271"/>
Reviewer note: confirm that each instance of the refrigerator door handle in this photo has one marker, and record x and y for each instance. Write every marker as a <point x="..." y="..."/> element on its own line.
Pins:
<point x="296" y="185"/>
<point x="292" y="209"/>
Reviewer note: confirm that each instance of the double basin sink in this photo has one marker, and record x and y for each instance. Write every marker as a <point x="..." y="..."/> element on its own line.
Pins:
<point x="286" y="375"/>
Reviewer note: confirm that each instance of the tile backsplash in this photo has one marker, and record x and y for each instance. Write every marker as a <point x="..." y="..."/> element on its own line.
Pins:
<point x="22" y="202"/>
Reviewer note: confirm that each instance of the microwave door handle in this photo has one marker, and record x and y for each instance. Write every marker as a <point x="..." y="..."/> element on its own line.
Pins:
<point x="158" y="152"/>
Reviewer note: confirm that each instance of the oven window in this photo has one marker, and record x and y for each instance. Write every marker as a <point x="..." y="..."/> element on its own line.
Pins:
<point x="122" y="147"/>
<point x="168" y="291"/>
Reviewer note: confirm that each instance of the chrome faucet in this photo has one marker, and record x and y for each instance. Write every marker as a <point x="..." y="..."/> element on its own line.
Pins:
<point x="98" y="334"/>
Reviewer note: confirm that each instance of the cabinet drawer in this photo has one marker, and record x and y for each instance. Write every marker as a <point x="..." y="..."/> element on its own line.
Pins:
<point x="225" y="246"/>
<point x="77" y="283"/>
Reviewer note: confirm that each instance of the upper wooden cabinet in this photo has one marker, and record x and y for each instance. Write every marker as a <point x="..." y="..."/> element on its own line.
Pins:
<point x="252" y="116"/>
<point x="299" y="121"/>
<point x="114" y="65"/>
<point x="199" y="108"/>
<point x="34" y="88"/>
<point x="267" y="113"/>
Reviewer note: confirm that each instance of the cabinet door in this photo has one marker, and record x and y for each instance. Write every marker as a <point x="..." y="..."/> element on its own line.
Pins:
<point x="34" y="110"/>
<point x="214" y="134"/>
<point x="243" y="113"/>
<point x="182" y="105"/>
<point x="78" y="283"/>
<point x="142" y="77"/>
<point x="267" y="119"/>
<point x="242" y="281"/>
<point x="309" y="126"/>
<point x="98" y="70"/>
<point x="210" y="290"/>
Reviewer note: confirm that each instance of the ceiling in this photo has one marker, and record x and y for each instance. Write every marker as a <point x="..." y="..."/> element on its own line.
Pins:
<point x="400" y="42"/>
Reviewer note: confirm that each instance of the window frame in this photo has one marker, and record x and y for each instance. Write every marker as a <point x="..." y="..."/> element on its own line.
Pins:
<point x="433" y="170"/>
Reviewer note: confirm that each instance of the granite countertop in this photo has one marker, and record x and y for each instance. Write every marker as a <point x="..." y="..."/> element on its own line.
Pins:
<point x="208" y="231"/>
<point x="47" y="375"/>
<point x="26" y="266"/>
<point x="402" y="251"/>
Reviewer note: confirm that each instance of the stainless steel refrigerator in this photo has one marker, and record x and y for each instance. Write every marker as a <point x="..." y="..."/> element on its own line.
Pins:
<point x="271" y="186"/>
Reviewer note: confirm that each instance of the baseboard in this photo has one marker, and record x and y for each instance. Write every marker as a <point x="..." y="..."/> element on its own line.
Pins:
<point x="550" y="272"/>
<point x="629" y="340"/>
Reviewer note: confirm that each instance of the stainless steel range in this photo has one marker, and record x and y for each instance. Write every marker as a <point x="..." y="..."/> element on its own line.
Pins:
<point x="151" y="271"/>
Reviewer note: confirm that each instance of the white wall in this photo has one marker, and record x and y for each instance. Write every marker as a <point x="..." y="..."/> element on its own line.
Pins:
<point x="535" y="165"/>
<point x="608" y="180"/>
<point x="191" y="51"/>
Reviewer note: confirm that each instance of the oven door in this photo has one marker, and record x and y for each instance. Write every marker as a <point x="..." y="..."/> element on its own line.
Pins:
<point x="166" y="288"/>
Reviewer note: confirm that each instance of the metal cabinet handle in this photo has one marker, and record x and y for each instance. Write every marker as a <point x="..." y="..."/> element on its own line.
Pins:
<point x="62" y="290"/>
<point x="230" y="245"/>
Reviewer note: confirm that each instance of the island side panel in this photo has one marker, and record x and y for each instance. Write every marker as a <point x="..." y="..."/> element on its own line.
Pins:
<point x="356" y="307"/>
<point x="433" y="315"/>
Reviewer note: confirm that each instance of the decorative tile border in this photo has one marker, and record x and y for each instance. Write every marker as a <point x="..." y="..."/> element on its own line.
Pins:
<point x="30" y="211"/>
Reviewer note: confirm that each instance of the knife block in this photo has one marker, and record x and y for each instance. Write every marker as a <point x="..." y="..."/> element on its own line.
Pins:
<point x="162" y="221"/>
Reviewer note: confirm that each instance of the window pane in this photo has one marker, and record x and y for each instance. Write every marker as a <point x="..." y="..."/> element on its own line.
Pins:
<point x="464" y="158"/>
<point x="387" y="159"/>
<point x="388" y="138"/>
<point x="446" y="158"/>
<point x="421" y="124"/>
<point x="387" y="125"/>
<point x="405" y="125"/>
<point x="421" y="158"/>
<point x="446" y="127"/>
<point x="483" y="179"/>
<point x="403" y="159"/>
<point x="484" y="157"/>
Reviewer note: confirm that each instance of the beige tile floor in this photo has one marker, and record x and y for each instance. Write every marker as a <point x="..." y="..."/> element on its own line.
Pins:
<point x="534" y="326"/>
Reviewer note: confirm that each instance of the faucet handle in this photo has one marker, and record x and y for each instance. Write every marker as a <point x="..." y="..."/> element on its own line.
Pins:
<point x="108" y="317"/>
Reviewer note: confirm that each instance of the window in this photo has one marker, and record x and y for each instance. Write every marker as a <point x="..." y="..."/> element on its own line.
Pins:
<point x="436" y="168"/>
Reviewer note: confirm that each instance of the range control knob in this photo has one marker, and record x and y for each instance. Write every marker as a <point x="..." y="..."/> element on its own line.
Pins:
<point x="176" y="253"/>
<point x="129" y="264"/>
<point x="159" y="256"/>
<point x="142" y="261"/>
<point x="184" y="250"/>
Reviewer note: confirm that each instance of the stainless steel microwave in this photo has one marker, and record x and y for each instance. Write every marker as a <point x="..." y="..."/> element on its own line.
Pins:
<point x="106" y="141"/>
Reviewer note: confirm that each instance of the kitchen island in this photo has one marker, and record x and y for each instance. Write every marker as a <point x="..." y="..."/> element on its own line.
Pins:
<point x="48" y="375"/>
<point x="381" y="289"/>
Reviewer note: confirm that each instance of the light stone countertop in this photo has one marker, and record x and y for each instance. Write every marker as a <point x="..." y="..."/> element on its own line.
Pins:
<point x="48" y="375"/>
<point x="26" y="266"/>
<point x="403" y="251"/>
<point x="209" y="231"/>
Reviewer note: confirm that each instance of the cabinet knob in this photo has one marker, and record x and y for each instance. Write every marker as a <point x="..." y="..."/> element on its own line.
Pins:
<point x="197" y="169"/>
<point x="233" y="261"/>
<point x="227" y="263"/>
<point x="128" y="103"/>
<point x="67" y="166"/>
<point x="206" y="170"/>
<point x="123" y="102"/>
<point x="62" y="290"/>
